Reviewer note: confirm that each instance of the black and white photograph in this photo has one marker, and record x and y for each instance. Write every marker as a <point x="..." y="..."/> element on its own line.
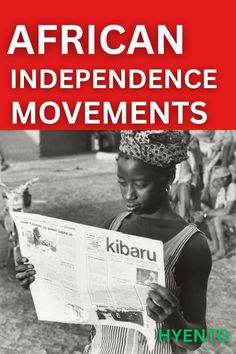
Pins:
<point x="146" y="276"/>
<point x="121" y="315"/>
<point x="175" y="186"/>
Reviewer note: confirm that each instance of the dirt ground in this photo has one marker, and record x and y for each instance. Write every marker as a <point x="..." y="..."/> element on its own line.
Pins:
<point x="83" y="189"/>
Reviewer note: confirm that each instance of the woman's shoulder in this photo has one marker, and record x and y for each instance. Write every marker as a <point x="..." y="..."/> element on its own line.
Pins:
<point x="197" y="243"/>
<point x="196" y="256"/>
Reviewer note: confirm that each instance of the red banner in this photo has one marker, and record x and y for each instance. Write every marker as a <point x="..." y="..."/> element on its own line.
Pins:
<point x="122" y="65"/>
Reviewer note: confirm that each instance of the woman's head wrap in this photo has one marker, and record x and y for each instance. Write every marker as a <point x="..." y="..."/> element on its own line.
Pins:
<point x="162" y="148"/>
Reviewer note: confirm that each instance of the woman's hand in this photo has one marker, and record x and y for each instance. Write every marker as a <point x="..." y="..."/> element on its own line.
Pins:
<point x="25" y="272"/>
<point x="161" y="303"/>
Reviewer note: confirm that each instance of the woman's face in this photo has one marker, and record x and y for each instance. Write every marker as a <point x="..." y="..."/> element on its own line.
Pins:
<point x="224" y="181"/>
<point x="143" y="187"/>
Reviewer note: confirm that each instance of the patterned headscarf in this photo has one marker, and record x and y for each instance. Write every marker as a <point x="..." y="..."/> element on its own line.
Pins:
<point x="162" y="148"/>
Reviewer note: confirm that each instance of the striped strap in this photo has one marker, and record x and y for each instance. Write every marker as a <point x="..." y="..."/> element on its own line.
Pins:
<point x="174" y="248"/>
<point x="116" y="223"/>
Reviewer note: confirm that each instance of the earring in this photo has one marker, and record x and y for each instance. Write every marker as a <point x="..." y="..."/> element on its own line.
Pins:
<point x="167" y="188"/>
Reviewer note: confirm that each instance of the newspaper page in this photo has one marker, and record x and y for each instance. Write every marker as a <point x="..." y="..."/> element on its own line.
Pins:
<point x="90" y="275"/>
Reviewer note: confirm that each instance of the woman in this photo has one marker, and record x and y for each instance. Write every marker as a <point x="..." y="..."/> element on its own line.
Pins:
<point x="219" y="209"/>
<point x="146" y="168"/>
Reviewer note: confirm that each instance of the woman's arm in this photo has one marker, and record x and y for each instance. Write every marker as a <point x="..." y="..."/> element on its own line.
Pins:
<point x="193" y="268"/>
<point x="209" y="167"/>
<point x="220" y="211"/>
<point x="192" y="272"/>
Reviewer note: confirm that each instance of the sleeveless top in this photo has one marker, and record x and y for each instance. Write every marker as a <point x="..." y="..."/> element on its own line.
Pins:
<point x="117" y="340"/>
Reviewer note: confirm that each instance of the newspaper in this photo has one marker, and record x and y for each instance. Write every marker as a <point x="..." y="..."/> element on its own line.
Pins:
<point x="90" y="275"/>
